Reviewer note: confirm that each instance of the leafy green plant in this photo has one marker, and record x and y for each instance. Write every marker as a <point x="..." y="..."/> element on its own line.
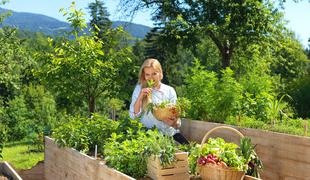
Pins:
<point x="150" y="83"/>
<point x="127" y="155"/>
<point x="115" y="105"/>
<point x="250" y="156"/>
<point x="276" y="109"/>
<point x="212" y="98"/>
<point x="183" y="106"/>
<point x="161" y="146"/>
<point x="257" y="92"/>
<point x="130" y="155"/>
<point x="84" y="134"/>
<point x="194" y="151"/>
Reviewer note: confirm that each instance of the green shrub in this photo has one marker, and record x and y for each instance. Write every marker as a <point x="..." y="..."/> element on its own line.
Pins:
<point x="33" y="111"/>
<point x="212" y="98"/>
<point x="82" y="133"/>
<point x="256" y="95"/>
<point x="247" y="122"/>
<point x="288" y="126"/>
<point x="200" y="89"/>
<point x="228" y="96"/>
<point x="299" y="91"/>
<point x="126" y="155"/>
<point x="2" y="137"/>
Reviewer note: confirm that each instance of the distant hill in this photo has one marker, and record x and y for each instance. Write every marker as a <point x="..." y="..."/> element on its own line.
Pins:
<point x="51" y="26"/>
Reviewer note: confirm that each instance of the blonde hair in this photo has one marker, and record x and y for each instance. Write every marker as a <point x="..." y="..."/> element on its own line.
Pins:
<point x="153" y="63"/>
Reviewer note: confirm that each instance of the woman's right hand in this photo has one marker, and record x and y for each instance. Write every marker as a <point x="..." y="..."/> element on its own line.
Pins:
<point x="145" y="92"/>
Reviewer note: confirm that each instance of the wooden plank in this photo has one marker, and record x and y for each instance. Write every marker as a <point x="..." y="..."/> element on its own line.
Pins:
<point x="173" y="171"/>
<point x="111" y="174"/>
<point x="183" y="176"/>
<point x="178" y="164"/>
<point x="6" y="168"/>
<point x="181" y="156"/>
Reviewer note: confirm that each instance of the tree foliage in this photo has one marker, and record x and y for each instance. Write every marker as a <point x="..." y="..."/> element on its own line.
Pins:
<point x="230" y="24"/>
<point x="100" y="21"/>
<point x="32" y="111"/>
<point x="85" y="66"/>
<point x="14" y="62"/>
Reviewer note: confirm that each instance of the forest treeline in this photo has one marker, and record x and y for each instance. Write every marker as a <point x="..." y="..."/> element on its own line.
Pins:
<point x="235" y="62"/>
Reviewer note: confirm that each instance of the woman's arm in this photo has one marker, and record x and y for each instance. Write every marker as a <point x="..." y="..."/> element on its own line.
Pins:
<point x="136" y="101"/>
<point x="138" y="104"/>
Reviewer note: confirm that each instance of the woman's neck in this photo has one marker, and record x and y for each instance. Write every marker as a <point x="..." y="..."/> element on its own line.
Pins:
<point x="157" y="87"/>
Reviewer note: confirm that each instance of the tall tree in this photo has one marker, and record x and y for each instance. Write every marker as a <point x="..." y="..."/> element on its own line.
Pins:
<point x="229" y="23"/>
<point x="80" y="68"/>
<point x="100" y="21"/>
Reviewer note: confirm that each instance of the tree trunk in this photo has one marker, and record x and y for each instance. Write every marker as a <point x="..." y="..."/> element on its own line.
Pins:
<point x="225" y="48"/>
<point x="113" y="114"/>
<point x="226" y="53"/>
<point x="91" y="104"/>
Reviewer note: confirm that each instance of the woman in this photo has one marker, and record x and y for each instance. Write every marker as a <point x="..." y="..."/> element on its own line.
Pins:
<point x="151" y="71"/>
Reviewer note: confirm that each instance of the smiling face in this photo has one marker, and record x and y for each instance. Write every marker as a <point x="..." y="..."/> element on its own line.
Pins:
<point x="150" y="70"/>
<point x="151" y="74"/>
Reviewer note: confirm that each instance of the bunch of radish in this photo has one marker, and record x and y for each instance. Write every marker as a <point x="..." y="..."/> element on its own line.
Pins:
<point x="211" y="159"/>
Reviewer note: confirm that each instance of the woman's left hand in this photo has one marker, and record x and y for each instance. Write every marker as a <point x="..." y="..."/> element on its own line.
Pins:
<point x="171" y="121"/>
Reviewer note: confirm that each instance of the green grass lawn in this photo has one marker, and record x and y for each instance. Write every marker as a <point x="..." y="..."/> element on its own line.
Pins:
<point x="21" y="155"/>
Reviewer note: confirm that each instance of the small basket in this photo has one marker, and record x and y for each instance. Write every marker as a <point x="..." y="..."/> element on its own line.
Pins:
<point x="215" y="172"/>
<point x="165" y="112"/>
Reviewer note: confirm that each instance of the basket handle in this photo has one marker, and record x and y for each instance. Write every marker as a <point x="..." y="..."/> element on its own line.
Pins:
<point x="217" y="128"/>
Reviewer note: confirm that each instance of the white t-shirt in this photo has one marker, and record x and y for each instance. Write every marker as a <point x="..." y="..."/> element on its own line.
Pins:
<point x="165" y="93"/>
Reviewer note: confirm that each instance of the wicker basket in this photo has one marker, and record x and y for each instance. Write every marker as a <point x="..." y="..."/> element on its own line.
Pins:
<point x="166" y="112"/>
<point x="215" y="172"/>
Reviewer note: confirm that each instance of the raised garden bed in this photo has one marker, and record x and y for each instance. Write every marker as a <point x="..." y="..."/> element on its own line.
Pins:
<point x="67" y="163"/>
<point x="7" y="172"/>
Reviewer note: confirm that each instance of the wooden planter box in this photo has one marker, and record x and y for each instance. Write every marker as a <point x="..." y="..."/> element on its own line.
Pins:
<point x="68" y="163"/>
<point x="8" y="171"/>
<point x="176" y="171"/>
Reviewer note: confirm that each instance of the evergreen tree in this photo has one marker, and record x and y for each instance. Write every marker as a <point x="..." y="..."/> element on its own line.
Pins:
<point x="100" y="21"/>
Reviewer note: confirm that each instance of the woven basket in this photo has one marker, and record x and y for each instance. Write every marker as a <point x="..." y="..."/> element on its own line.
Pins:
<point x="215" y="172"/>
<point x="166" y="112"/>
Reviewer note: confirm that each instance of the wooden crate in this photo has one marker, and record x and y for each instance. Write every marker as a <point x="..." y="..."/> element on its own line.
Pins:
<point x="176" y="171"/>
<point x="246" y="177"/>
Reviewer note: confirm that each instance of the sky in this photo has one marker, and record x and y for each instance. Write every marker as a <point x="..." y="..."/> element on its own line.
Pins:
<point x="297" y="14"/>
